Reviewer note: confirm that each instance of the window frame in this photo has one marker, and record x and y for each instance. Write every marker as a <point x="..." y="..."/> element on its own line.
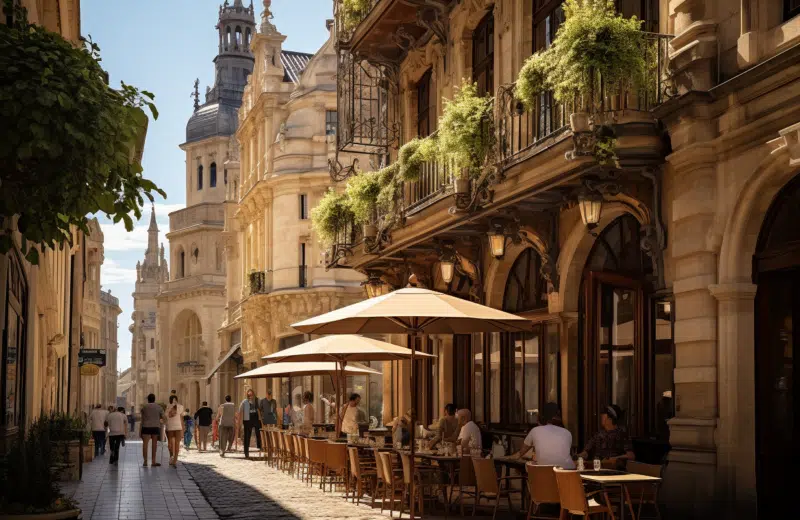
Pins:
<point x="483" y="55"/>
<point x="199" y="177"/>
<point x="212" y="175"/>
<point x="425" y="127"/>
<point x="790" y="12"/>
<point x="303" y="201"/>
<point x="331" y="122"/>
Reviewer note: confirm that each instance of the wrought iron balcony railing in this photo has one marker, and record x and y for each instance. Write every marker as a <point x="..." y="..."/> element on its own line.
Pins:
<point x="348" y="14"/>
<point x="435" y="181"/>
<point x="260" y="282"/>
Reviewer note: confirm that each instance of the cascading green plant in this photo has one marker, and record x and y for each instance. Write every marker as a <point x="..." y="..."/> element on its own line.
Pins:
<point x="414" y="154"/>
<point x="351" y="12"/>
<point x="330" y="216"/>
<point x="466" y="133"/>
<point x="362" y="193"/>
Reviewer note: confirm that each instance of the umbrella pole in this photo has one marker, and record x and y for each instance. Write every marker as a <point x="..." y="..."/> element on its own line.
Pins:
<point x="337" y="403"/>
<point x="412" y="433"/>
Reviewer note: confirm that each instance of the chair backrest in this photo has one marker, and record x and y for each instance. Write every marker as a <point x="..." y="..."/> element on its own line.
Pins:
<point x="355" y="462"/>
<point x="542" y="484"/>
<point x="336" y="457"/>
<point x="386" y="462"/>
<point x="290" y="444"/>
<point x="406" y="461"/>
<point x="379" y="464"/>
<point x="304" y="443"/>
<point x="640" y="468"/>
<point x="570" y="491"/>
<point x="298" y="448"/>
<point x="278" y="441"/>
<point x="485" y="475"/>
<point x="466" y="472"/>
<point x="316" y="451"/>
<point x="644" y="491"/>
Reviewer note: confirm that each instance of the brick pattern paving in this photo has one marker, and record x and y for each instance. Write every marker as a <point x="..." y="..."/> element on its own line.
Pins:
<point x="128" y="491"/>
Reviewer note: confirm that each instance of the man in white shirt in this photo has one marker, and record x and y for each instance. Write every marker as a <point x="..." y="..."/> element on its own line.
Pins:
<point x="97" y="422"/>
<point x="551" y="444"/>
<point x="470" y="434"/>
<point x="117" y="431"/>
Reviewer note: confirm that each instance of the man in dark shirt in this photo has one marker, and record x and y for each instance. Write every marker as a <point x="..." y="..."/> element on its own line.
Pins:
<point x="203" y="418"/>
<point x="612" y="442"/>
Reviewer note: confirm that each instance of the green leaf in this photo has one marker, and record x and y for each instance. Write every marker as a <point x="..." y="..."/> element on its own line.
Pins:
<point x="33" y="256"/>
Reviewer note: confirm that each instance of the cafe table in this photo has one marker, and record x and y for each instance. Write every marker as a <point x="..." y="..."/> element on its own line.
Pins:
<point x="518" y="464"/>
<point x="606" y="478"/>
<point x="447" y="464"/>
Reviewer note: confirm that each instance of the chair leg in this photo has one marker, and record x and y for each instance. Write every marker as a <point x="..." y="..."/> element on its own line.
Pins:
<point x="608" y="504"/>
<point x="562" y="515"/>
<point x="496" y="504"/>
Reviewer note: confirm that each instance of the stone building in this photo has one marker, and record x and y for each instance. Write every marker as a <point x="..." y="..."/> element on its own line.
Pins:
<point x="150" y="274"/>
<point x="92" y="382"/>
<point x="276" y="272"/>
<point x="109" y="314"/>
<point x="666" y="284"/>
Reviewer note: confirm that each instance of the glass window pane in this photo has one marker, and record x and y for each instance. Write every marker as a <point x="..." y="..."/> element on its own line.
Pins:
<point x="664" y="364"/>
<point x="531" y="378"/>
<point x="376" y="395"/>
<point x="552" y="375"/>
<point x="478" y="375"/>
<point x="358" y="385"/>
<point x="494" y="377"/>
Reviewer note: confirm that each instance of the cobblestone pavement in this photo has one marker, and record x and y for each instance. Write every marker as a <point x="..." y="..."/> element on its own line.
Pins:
<point x="128" y="491"/>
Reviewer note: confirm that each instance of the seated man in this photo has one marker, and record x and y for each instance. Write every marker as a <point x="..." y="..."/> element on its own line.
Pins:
<point x="470" y="434"/>
<point x="448" y="427"/>
<point x="612" y="442"/>
<point x="551" y="444"/>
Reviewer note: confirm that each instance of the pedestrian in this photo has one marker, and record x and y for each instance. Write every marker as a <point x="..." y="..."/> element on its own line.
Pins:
<point x="97" y="420"/>
<point x="174" y="429"/>
<point x="117" y="430"/>
<point x="248" y="411"/>
<point x="188" y="427"/>
<point x="152" y="417"/>
<point x="349" y="415"/>
<point x="215" y="431"/>
<point x="269" y="409"/>
<point x="308" y="413"/>
<point x="131" y="421"/>
<point x="203" y="420"/>
<point x="226" y="414"/>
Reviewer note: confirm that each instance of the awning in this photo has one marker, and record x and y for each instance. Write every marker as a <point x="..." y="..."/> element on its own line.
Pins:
<point x="222" y="361"/>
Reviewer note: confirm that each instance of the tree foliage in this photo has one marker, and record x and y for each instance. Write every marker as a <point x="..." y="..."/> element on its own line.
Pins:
<point x="351" y="12"/>
<point x="68" y="140"/>
<point x="593" y="43"/>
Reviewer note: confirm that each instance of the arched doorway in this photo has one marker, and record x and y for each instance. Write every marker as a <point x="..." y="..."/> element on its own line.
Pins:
<point x="776" y="271"/>
<point x="626" y="345"/>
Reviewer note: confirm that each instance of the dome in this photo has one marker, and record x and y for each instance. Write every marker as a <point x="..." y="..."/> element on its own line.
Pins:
<point x="212" y="119"/>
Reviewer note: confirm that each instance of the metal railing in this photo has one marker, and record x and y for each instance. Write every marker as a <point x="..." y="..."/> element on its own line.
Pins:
<point x="302" y="278"/>
<point x="258" y="282"/>
<point x="519" y="129"/>
<point x="435" y="180"/>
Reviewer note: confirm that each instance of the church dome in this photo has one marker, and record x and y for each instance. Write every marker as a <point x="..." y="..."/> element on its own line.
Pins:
<point x="212" y="119"/>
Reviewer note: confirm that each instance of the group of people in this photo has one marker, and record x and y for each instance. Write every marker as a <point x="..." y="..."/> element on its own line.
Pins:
<point x="110" y="424"/>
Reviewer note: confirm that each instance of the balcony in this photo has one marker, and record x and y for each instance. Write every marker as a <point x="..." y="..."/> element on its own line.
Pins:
<point x="265" y="282"/>
<point x="206" y="214"/>
<point x="435" y="182"/>
<point x="195" y="282"/>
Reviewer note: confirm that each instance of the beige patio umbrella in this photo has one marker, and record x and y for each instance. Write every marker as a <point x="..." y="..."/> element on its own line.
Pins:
<point x="414" y="311"/>
<point x="322" y="368"/>
<point x="340" y="350"/>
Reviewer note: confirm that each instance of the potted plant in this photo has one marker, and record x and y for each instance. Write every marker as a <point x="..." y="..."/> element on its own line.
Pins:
<point x="29" y="491"/>
<point x="330" y="216"/>
<point x="413" y="155"/>
<point x="362" y="197"/>
<point x="465" y="137"/>
<point x="67" y="434"/>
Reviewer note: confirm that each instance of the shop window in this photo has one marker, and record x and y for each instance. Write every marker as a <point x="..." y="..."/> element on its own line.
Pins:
<point x="424" y="112"/>
<point x="483" y="55"/>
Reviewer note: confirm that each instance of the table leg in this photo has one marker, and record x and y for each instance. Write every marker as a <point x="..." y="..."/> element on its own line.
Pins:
<point x="627" y="497"/>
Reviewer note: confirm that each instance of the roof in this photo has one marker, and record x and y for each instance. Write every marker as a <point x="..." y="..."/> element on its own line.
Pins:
<point x="293" y="64"/>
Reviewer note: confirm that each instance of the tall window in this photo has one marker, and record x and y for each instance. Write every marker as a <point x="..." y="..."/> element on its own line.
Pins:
<point x="181" y="264"/>
<point x="303" y="206"/>
<point x="12" y="363"/>
<point x="303" y="268"/>
<point x="791" y="8"/>
<point x="526" y="289"/>
<point x="200" y="177"/>
<point x="193" y="333"/>
<point x="424" y="126"/>
<point x="212" y="177"/>
<point x="331" y="120"/>
<point x="483" y="55"/>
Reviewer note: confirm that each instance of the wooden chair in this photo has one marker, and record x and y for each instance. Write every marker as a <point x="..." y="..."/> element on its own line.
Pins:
<point x="277" y="439"/>
<point x="489" y="486"/>
<point x="641" y="493"/>
<point x="466" y="479"/>
<point x="336" y="464"/>
<point x="300" y="456"/>
<point x="392" y="481"/>
<point x="361" y="473"/>
<point x="316" y="460"/>
<point x="291" y="455"/>
<point x="264" y="435"/>
<point x="542" y="488"/>
<point x="574" y="499"/>
<point x="423" y="478"/>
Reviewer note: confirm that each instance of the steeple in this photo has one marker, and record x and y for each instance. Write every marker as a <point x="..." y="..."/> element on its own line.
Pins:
<point x="151" y="255"/>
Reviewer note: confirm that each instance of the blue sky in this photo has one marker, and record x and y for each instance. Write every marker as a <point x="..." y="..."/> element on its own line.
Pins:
<point x="162" y="46"/>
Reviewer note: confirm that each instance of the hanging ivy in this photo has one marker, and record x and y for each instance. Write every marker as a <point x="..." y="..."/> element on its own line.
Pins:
<point x="330" y="216"/>
<point x="352" y="12"/>
<point x="67" y="145"/>
<point x="466" y="134"/>
<point x="414" y="154"/>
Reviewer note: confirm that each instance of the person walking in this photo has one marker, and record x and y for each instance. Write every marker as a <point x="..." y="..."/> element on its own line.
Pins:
<point x="131" y="421"/>
<point x="269" y="409"/>
<point x="188" y="427"/>
<point x="203" y="421"/>
<point x="97" y="420"/>
<point x="248" y="411"/>
<point x="117" y="430"/>
<point x="226" y="414"/>
<point x="349" y="415"/>
<point x="174" y="429"/>
<point x="150" y="428"/>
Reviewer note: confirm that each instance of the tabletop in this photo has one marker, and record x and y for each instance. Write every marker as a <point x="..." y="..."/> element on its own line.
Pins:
<point x="623" y="478"/>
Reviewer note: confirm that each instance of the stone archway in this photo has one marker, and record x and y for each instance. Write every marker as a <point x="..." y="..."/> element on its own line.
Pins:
<point x="735" y="292"/>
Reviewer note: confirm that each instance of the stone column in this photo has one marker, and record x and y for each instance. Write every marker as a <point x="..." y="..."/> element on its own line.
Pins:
<point x="736" y="430"/>
<point x="747" y="44"/>
<point x="694" y="48"/>
<point x="446" y="367"/>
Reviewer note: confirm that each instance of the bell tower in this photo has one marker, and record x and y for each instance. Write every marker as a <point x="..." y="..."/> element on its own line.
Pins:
<point x="234" y="62"/>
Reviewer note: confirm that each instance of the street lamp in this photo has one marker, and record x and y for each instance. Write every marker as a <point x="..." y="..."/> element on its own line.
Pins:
<point x="373" y="285"/>
<point x="447" y="268"/>
<point x="591" y="206"/>
<point x="497" y="241"/>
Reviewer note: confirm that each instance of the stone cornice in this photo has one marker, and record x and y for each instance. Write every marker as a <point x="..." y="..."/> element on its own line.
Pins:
<point x="733" y="291"/>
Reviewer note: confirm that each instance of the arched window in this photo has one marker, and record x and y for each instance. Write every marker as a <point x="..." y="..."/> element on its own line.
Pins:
<point x="200" y="177"/>
<point x="238" y="37"/>
<point x="526" y="289"/>
<point x="227" y="38"/>
<point x="212" y="178"/>
<point x="181" y="264"/>
<point x="247" y="37"/>
<point x="191" y="339"/>
<point x="152" y="344"/>
<point x="225" y="176"/>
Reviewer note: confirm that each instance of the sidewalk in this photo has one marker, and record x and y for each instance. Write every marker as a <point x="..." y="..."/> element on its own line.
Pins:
<point x="128" y="491"/>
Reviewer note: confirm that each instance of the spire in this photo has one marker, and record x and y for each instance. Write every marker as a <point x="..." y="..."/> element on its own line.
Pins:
<point x="151" y="255"/>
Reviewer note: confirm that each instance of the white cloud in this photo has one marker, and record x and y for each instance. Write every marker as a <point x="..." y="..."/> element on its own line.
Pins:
<point x="117" y="238"/>
<point x="112" y="273"/>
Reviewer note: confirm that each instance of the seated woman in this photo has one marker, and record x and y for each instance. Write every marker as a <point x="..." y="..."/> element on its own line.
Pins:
<point x="308" y="413"/>
<point x="448" y="427"/>
<point x="612" y="442"/>
<point x="401" y="429"/>
<point x="551" y="443"/>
